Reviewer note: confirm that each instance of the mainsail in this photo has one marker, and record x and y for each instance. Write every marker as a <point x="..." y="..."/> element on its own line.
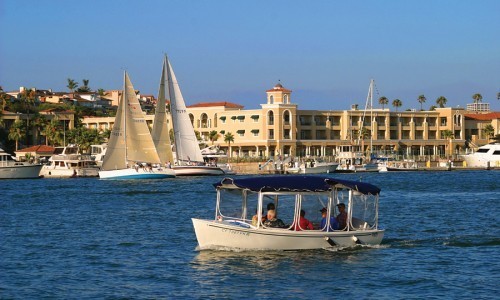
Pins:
<point x="186" y="144"/>
<point x="160" y="133"/>
<point x="130" y="139"/>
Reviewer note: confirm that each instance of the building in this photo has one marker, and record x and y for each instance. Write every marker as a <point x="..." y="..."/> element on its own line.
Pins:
<point x="279" y="127"/>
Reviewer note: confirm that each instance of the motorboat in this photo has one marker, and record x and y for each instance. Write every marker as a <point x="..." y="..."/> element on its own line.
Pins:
<point x="487" y="156"/>
<point x="97" y="153"/>
<point x="351" y="160"/>
<point x="68" y="162"/>
<point x="131" y="152"/>
<point x="239" y="223"/>
<point x="12" y="169"/>
<point x="313" y="166"/>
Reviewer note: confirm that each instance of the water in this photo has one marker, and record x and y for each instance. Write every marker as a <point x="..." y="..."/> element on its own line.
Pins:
<point x="88" y="238"/>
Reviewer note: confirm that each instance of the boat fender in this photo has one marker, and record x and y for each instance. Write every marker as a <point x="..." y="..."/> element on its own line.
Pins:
<point x="356" y="240"/>
<point x="330" y="241"/>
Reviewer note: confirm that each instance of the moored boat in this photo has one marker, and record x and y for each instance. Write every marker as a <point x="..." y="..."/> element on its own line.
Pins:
<point x="68" y="162"/>
<point x="313" y="166"/>
<point x="487" y="156"/>
<point x="239" y="222"/>
<point x="12" y="169"/>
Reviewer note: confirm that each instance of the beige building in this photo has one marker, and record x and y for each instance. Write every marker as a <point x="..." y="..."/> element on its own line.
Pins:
<point x="280" y="128"/>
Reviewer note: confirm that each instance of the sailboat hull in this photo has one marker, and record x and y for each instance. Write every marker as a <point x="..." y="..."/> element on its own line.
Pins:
<point x="129" y="174"/>
<point x="197" y="171"/>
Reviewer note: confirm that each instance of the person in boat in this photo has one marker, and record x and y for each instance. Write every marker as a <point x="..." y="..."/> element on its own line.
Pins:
<point x="334" y="225"/>
<point x="270" y="206"/>
<point x="272" y="221"/>
<point x="342" y="216"/>
<point x="304" y="224"/>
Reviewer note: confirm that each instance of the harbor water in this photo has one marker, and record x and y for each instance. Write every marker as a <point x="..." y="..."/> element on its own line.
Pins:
<point x="87" y="238"/>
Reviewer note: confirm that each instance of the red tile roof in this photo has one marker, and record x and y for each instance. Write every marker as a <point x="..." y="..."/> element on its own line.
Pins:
<point x="211" y="104"/>
<point x="38" y="149"/>
<point x="483" y="117"/>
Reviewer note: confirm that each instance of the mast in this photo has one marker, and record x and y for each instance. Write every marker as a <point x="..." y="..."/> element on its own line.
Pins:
<point x="173" y="106"/>
<point x="124" y="108"/>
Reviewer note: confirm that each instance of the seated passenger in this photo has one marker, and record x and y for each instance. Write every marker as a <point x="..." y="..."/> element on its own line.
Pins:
<point x="304" y="223"/>
<point x="271" y="220"/>
<point x="342" y="216"/>
<point x="334" y="225"/>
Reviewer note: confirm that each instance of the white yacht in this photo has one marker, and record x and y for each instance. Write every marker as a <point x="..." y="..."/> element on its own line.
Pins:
<point x="487" y="156"/>
<point x="68" y="162"/>
<point x="12" y="169"/>
<point x="97" y="153"/>
<point x="313" y="166"/>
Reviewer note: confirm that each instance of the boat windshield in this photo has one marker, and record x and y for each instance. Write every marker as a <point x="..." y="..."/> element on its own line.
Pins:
<point x="243" y="205"/>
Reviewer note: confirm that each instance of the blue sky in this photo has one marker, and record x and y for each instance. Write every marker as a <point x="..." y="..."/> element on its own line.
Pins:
<point x="326" y="52"/>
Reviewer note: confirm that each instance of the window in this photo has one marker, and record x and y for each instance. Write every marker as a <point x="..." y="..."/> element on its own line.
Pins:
<point x="286" y="134"/>
<point x="443" y="121"/>
<point x="270" y="118"/>
<point x="255" y="132"/>
<point x="241" y="132"/>
<point x="271" y="134"/>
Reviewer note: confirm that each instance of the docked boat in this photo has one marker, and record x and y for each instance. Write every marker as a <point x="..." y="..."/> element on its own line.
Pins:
<point x="487" y="156"/>
<point x="97" y="153"/>
<point x="313" y="166"/>
<point x="239" y="223"/>
<point x="400" y="166"/>
<point x="67" y="162"/>
<point x="351" y="160"/>
<point x="12" y="169"/>
<point x="131" y="153"/>
<point x="188" y="159"/>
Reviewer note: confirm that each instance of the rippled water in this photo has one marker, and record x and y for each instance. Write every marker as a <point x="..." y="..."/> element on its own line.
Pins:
<point x="88" y="238"/>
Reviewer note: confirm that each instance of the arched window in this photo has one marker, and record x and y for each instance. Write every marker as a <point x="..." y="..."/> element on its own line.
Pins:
<point x="271" y="99"/>
<point x="285" y="99"/>
<point x="191" y="117"/>
<point x="270" y="117"/>
<point x="204" y="120"/>
<point x="215" y="120"/>
<point x="286" y="117"/>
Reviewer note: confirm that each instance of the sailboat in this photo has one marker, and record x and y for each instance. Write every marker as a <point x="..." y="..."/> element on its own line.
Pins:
<point x="188" y="158"/>
<point x="352" y="157"/>
<point x="131" y="153"/>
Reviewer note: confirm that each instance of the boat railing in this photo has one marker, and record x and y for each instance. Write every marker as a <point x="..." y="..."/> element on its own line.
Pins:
<point x="72" y="157"/>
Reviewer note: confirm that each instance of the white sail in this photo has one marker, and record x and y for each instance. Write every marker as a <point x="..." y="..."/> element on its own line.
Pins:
<point x="130" y="139"/>
<point x="160" y="133"/>
<point x="186" y="144"/>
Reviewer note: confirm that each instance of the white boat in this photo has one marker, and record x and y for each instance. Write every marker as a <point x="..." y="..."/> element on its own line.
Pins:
<point x="12" y="169"/>
<point x="351" y="159"/>
<point x="487" y="156"/>
<point x="313" y="166"/>
<point x="188" y="158"/>
<point x="97" y="153"/>
<point x="131" y="153"/>
<point x="68" y="162"/>
<point x="239" y="199"/>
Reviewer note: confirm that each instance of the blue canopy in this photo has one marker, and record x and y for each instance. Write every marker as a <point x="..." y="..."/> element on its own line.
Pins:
<point x="296" y="184"/>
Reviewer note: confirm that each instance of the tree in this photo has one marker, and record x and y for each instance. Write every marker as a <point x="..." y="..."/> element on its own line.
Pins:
<point x="478" y="98"/>
<point x="213" y="136"/>
<point x="441" y="101"/>
<point x="4" y="99"/>
<point x="17" y="132"/>
<point x="229" y="138"/>
<point x="383" y="101"/>
<point x="101" y="92"/>
<point x="488" y="131"/>
<point x="421" y="99"/>
<point x="39" y="122"/>
<point x="85" y="88"/>
<point x="447" y="134"/>
<point x="72" y="85"/>
<point x="53" y="133"/>
<point x="397" y="103"/>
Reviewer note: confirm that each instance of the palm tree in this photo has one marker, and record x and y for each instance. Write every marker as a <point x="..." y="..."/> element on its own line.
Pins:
<point x="421" y="99"/>
<point x="441" y="101"/>
<point x="17" y="132"/>
<point x="448" y="135"/>
<point x="213" y="136"/>
<point x="229" y="138"/>
<point x="85" y="88"/>
<point x="383" y="101"/>
<point x="72" y="85"/>
<point x="101" y="92"/>
<point x="477" y="98"/>
<point x="397" y="103"/>
<point x="488" y="130"/>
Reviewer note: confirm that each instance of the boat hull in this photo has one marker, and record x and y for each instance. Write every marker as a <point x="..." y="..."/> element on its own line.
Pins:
<point x="20" y="172"/>
<point x="129" y="174"/>
<point x="323" y="169"/>
<point x="212" y="234"/>
<point x="197" y="171"/>
<point x="51" y="172"/>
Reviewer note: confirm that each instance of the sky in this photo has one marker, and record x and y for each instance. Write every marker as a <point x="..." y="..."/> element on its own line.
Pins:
<point x="325" y="51"/>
